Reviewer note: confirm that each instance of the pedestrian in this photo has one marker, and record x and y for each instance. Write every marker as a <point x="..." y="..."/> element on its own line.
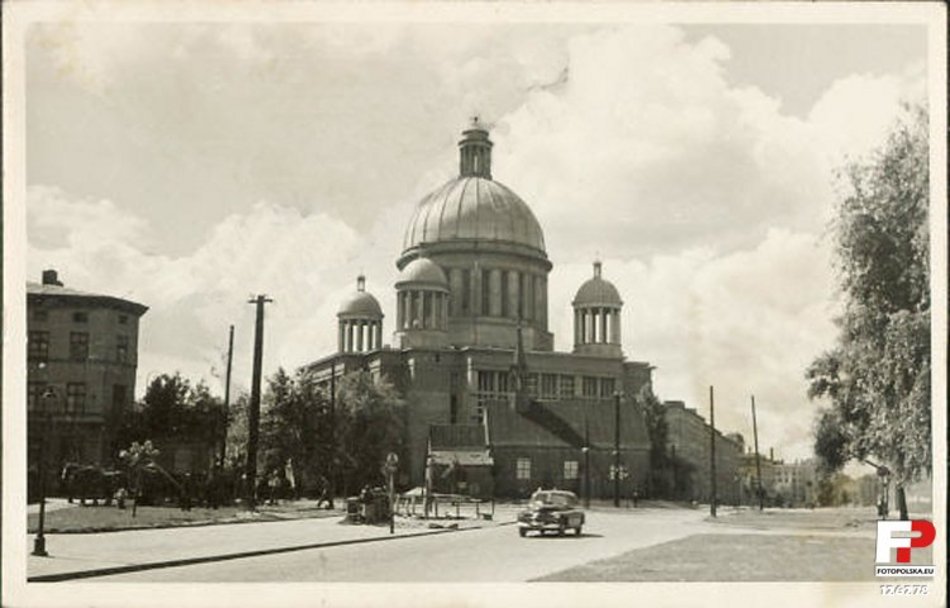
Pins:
<point x="636" y="497"/>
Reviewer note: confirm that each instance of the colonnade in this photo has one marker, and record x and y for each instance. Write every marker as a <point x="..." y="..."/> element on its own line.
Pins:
<point x="422" y="309"/>
<point x="360" y="335"/>
<point x="597" y="325"/>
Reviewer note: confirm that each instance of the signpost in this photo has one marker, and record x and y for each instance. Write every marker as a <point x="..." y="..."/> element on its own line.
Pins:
<point x="392" y="465"/>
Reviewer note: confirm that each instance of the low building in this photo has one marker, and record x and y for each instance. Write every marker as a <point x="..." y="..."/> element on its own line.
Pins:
<point x="689" y="445"/>
<point x="81" y="360"/>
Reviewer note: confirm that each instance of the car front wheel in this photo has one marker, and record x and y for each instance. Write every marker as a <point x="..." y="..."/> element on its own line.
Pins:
<point x="522" y="532"/>
<point x="577" y="531"/>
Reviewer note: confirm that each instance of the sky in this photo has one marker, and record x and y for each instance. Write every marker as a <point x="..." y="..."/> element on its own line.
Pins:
<point x="189" y="166"/>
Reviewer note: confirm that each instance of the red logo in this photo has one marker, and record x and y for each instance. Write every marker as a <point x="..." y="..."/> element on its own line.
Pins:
<point x="925" y="535"/>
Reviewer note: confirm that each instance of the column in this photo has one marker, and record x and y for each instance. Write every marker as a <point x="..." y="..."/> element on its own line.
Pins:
<point x="379" y="334"/>
<point x="420" y="310"/>
<point x="543" y="317"/>
<point x="577" y="326"/>
<point x="603" y="326"/>
<point x="400" y="311"/>
<point x="348" y="347"/>
<point x="339" y="338"/>
<point x="528" y="297"/>
<point x="619" y="333"/>
<point x="359" y="336"/>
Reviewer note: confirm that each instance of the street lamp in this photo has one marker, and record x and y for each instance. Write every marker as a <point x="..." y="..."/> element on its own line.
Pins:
<point x="586" y="451"/>
<point x="39" y="543"/>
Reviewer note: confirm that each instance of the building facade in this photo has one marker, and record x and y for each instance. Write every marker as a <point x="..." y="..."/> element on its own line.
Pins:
<point x="689" y="444"/>
<point x="81" y="361"/>
<point x="472" y="349"/>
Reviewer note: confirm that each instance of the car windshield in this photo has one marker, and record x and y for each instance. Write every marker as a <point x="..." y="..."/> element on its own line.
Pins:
<point x="556" y="499"/>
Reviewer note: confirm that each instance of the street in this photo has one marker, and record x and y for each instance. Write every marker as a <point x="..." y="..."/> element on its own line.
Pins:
<point x="481" y="555"/>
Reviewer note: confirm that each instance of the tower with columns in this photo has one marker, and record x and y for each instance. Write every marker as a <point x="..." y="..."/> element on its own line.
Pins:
<point x="360" y="322"/>
<point x="422" y="305"/>
<point x="597" y="311"/>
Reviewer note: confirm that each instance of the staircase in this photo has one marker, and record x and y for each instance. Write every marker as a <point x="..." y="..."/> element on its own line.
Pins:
<point x="541" y="415"/>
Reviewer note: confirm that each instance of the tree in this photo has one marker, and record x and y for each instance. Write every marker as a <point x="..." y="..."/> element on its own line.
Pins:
<point x="661" y="478"/>
<point x="370" y="419"/>
<point x="877" y="378"/>
<point x="293" y="426"/>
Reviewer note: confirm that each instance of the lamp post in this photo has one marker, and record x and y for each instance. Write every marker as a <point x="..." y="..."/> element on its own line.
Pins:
<point x="617" y="396"/>
<point x="39" y="543"/>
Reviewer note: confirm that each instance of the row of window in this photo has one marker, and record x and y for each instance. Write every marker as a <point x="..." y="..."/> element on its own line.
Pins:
<point x="547" y="386"/>
<point x="75" y="402"/>
<point x="40" y="314"/>
<point x="526" y="301"/>
<point x="523" y="469"/>
<point x="38" y="346"/>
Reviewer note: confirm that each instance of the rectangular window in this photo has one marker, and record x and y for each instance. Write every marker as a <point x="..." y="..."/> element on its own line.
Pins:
<point x="567" y="387"/>
<point x="76" y="397"/>
<point x="34" y="395"/>
<point x="466" y="290"/>
<point x="523" y="468"/>
<point x="590" y="386"/>
<point x="38" y="346"/>
<point x="571" y="468"/>
<point x="504" y="294"/>
<point x="122" y="349"/>
<point x="78" y="346"/>
<point x="123" y="319"/>
<point x="549" y="386"/>
<point x="119" y="397"/>
<point x="607" y="386"/>
<point x="80" y="317"/>
<point x="40" y="315"/>
<point x="502" y="383"/>
<point x="486" y="382"/>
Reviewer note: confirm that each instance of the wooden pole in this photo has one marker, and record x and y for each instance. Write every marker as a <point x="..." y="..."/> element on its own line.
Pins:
<point x="227" y="395"/>
<point x="254" y="415"/>
<point x="712" y="452"/>
<point x="758" y="466"/>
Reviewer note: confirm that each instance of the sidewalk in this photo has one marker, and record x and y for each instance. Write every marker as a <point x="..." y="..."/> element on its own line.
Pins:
<point x="71" y="555"/>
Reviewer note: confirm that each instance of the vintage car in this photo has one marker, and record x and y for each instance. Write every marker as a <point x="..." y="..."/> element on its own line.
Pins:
<point x="551" y="510"/>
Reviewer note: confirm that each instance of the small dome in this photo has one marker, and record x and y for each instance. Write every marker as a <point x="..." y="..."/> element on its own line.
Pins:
<point x="423" y="271"/>
<point x="597" y="291"/>
<point x="361" y="303"/>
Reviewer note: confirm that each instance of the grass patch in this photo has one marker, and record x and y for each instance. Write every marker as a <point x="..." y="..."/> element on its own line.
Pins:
<point x="738" y="557"/>
<point x="106" y="519"/>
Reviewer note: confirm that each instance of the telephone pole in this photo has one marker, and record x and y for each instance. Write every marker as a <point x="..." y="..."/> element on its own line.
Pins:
<point x="712" y="452"/>
<point x="254" y="415"/>
<point x="758" y="466"/>
<point x="227" y="395"/>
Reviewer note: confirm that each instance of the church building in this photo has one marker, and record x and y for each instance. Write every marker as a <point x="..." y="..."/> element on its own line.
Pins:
<point x="488" y="397"/>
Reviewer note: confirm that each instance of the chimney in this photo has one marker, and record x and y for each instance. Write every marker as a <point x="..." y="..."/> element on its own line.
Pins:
<point x="50" y="278"/>
<point x="475" y="151"/>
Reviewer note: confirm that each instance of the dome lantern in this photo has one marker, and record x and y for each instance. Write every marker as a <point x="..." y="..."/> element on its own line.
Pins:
<point x="360" y="320"/>
<point x="597" y="309"/>
<point x="475" y="151"/>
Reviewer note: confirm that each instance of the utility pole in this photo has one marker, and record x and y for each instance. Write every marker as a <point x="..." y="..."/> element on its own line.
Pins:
<point x="758" y="466"/>
<point x="712" y="452"/>
<point x="227" y="395"/>
<point x="254" y="415"/>
<point x="617" y="449"/>
<point x="333" y="455"/>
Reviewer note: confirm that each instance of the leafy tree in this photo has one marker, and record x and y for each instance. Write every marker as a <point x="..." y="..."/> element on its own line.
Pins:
<point x="654" y="416"/>
<point x="370" y="419"/>
<point x="877" y="378"/>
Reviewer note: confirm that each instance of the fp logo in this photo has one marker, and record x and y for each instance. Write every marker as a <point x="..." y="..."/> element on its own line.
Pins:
<point x="887" y="541"/>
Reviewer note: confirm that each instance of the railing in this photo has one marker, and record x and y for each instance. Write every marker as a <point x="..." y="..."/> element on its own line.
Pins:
<point x="415" y="505"/>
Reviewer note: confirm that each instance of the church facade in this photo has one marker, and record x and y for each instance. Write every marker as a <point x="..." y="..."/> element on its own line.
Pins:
<point x="492" y="408"/>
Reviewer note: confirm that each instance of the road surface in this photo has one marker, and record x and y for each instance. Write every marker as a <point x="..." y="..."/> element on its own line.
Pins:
<point x="494" y="554"/>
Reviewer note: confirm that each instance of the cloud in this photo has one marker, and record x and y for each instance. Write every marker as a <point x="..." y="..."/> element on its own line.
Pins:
<point x="298" y="260"/>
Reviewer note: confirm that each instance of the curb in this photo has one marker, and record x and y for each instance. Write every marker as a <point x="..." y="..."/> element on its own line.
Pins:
<point x="190" y="561"/>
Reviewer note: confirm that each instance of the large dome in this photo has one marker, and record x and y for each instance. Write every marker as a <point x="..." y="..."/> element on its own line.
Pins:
<point x="473" y="208"/>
